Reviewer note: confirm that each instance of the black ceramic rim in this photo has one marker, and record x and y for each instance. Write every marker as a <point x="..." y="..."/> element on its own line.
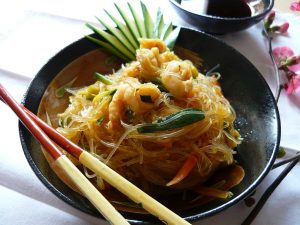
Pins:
<point x="266" y="10"/>
<point x="82" y="46"/>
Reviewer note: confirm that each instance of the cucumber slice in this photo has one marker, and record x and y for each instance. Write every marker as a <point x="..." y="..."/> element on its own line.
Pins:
<point x="124" y="29"/>
<point x="119" y="35"/>
<point x="112" y="40"/>
<point x="166" y="31"/>
<point x="159" y="24"/>
<point x="147" y="21"/>
<point x="138" y="21"/>
<point x="109" y="48"/>
<point x="130" y="24"/>
<point x="171" y="39"/>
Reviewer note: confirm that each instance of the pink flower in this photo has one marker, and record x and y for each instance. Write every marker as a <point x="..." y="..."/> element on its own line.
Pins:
<point x="284" y="27"/>
<point x="293" y="85"/>
<point x="295" y="6"/>
<point x="282" y="53"/>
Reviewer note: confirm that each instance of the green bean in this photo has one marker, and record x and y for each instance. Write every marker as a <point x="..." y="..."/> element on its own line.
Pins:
<point x="176" y="120"/>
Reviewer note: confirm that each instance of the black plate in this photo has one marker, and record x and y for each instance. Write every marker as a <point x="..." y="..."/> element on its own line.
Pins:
<point x="221" y="25"/>
<point x="257" y="120"/>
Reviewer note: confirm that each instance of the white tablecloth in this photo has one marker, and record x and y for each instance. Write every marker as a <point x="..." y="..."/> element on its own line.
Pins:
<point x="33" y="31"/>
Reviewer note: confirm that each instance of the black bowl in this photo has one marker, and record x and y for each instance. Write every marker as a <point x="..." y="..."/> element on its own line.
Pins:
<point x="221" y="25"/>
<point x="257" y="119"/>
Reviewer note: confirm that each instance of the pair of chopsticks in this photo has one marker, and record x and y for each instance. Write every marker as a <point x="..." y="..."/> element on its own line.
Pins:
<point x="50" y="138"/>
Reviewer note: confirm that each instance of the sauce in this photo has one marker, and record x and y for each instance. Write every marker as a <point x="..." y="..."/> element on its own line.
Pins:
<point x="228" y="8"/>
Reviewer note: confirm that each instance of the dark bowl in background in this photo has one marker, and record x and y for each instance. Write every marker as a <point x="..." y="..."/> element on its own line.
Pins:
<point x="221" y="25"/>
<point x="257" y="120"/>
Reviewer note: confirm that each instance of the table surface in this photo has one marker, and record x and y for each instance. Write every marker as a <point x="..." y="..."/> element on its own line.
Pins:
<point x="32" y="31"/>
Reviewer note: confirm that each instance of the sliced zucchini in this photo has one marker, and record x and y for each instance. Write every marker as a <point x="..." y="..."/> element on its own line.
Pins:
<point x="126" y="32"/>
<point x="171" y="39"/>
<point x="167" y="29"/>
<point x="130" y="24"/>
<point x="112" y="40"/>
<point x="119" y="35"/>
<point x="147" y="21"/>
<point x="123" y="40"/>
<point x="138" y="21"/>
<point x="159" y="24"/>
<point x="109" y="48"/>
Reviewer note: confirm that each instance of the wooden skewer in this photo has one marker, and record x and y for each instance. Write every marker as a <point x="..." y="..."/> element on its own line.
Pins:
<point x="109" y="175"/>
<point x="88" y="189"/>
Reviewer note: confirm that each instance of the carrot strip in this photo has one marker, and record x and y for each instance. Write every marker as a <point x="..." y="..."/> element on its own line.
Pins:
<point x="213" y="192"/>
<point x="184" y="171"/>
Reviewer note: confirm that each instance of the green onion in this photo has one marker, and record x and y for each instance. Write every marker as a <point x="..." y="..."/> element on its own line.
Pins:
<point x="176" y="120"/>
<point x="102" y="78"/>
<point x="112" y="92"/>
<point x="59" y="93"/>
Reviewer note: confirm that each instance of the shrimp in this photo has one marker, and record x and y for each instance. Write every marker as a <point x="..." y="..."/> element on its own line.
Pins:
<point x="151" y="43"/>
<point x="132" y="97"/>
<point x="177" y="78"/>
<point x="132" y="70"/>
<point x="149" y="61"/>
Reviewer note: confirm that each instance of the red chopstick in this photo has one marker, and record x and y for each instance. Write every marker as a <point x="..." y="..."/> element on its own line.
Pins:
<point x="40" y="130"/>
<point x="60" y="140"/>
<point x="35" y="130"/>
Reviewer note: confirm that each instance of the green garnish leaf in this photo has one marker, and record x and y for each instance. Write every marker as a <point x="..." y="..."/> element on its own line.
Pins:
<point x="281" y="152"/>
<point x="176" y="120"/>
<point x="59" y="93"/>
<point x="146" y="98"/>
<point x="102" y="78"/>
